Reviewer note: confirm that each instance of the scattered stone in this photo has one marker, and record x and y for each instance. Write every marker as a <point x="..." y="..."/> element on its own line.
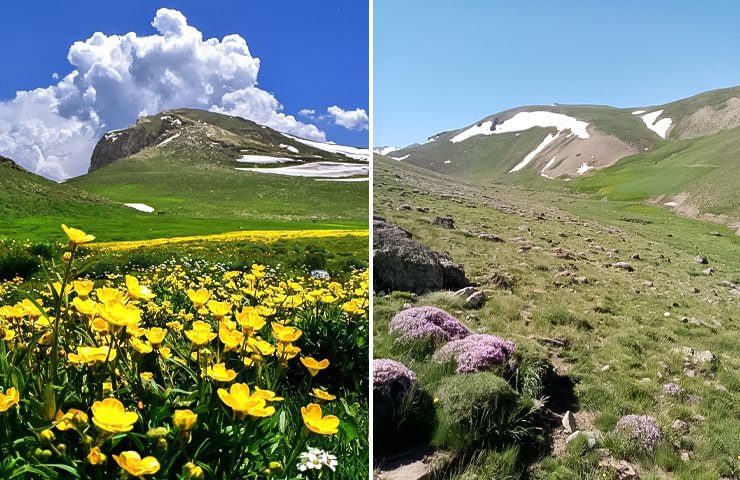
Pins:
<point x="701" y="259"/>
<point x="591" y="437"/>
<point x="708" y="271"/>
<point x="647" y="283"/>
<point x="606" y="368"/>
<point x="569" y="422"/>
<point x="444" y="222"/>
<point x="636" y="256"/>
<point x="624" y="266"/>
<point x="476" y="300"/>
<point x="403" y="264"/>
<point x="695" y="290"/>
<point x="490" y="237"/>
<point x="666" y="314"/>
<point x="687" y="456"/>
<point x="681" y="427"/>
<point x="715" y="234"/>
<point x="422" y="209"/>
<point x="405" y="207"/>
<point x="579" y="280"/>
<point x="695" y="362"/>
<point x="563" y="254"/>
<point x="465" y="292"/>
<point x="501" y="280"/>
<point x="672" y="389"/>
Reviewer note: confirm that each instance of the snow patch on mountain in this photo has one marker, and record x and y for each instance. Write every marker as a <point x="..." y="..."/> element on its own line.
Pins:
<point x="264" y="159"/>
<point x="530" y="156"/>
<point x="401" y="158"/>
<point x="142" y="207"/>
<point x="638" y="112"/>
<point x="524" y="121"/>
<point x="352" y="152"/>
<point x="660" y="126"/>
<point x="583" y="168"/>
<point x="289" y="148"/>
<point x="385" y="150"/>
<point x="315" y="169"/>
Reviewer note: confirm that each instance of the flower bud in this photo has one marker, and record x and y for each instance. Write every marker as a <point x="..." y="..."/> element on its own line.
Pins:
<point x="61" y="447"/>
<point x="157" y="433"/>
<point x="193" y="471"/>
<point x="162" y="444"/>
<point x="275" y="465"/>
<point x="47" y="436"/>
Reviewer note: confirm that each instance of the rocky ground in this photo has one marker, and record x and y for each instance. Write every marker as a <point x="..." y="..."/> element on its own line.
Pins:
<point x="636" y="309"/>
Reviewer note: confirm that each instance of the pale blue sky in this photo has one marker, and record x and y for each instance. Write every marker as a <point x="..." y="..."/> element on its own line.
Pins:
<point x="440" y="65"/>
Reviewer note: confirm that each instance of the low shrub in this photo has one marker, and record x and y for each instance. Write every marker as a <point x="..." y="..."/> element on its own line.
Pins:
<point x="17" y="261"/>
<point x="403" y="413"/>
<point x="481" y="410"/>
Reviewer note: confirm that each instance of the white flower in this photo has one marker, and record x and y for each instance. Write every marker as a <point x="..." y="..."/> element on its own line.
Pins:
<point x="315" y="459"/>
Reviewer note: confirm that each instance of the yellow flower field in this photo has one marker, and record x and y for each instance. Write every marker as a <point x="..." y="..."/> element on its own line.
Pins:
<point x="184" y="370"/>
<point x="247" y="235"/>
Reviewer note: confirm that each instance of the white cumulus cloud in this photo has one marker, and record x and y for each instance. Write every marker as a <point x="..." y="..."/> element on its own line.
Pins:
<point x="352" y="119"/>
<point x="116" y="78"/>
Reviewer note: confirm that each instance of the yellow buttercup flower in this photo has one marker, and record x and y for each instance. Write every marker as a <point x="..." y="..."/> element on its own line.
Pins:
<point x="322" y="395"/>
<point x="85" y="307"/>
<point x="146" y="376"/>
<point x="111" y="416"/>
<point x="184" y="419"/>
<point x="76" y="236"/>
<point x="287" y="351"/>
<point x="250" y="320"/>
<point x="67" y="421"/>
<point x="232" y="339"/>
<point x="134" y="465"/>
<point x="9" y="399"/>
<point x="220" y="373"/>
<point x="200" y="333"/>
<point x="199" y="297"/>
<point x="242" y="403"/>
<point x="119" y="315"/>
<point x="83" y="287"/>
<point x="141" y="346"/>
<point x="268" y="395"/>
<point x="285" y="333"/>
<point x="136" y="290"/>
<point x="219" y="309"/>
<point x="109" y="295"/>
<point x="96" y="457"/>
<point x="316" y="422"/>
<point x="314" y="366"/>
<point x="155" y="335"/>
<point x="92" y="355"/>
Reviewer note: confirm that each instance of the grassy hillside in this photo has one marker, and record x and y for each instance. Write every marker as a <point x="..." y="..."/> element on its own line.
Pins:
<point x="696" y="163"/>
<point x="706" y="168"/>
<point x="610" y="338"/>
<point x="179" y="181"/>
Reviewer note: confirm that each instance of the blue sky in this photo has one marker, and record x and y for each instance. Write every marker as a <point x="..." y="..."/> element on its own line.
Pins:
<point x="312" y="55"/>
<point x="444" y="65"/>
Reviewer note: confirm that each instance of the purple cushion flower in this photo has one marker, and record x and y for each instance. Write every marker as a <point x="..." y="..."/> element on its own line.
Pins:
<point x="392" y="380"/>
<point x="426" y="323"/>
<point x="477" y="353"/>
<point x="642" y="429"/>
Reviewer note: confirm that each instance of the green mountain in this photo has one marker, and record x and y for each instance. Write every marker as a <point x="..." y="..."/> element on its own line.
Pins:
<point x="190" y="172"/>
<point x="681" y="154"/>
<point x="188" y="163"/>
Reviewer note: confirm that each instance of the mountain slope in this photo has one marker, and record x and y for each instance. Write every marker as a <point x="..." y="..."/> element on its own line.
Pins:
<point x="628" y="153"/>
<point x="211" y="167"/>
<point x="614" y="337"/>
<point x="34" y="207"/>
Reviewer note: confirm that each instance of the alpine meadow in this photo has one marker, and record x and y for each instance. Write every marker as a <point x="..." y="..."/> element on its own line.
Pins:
<point x="184" y="283"/>
<point x="556" y="285"/>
